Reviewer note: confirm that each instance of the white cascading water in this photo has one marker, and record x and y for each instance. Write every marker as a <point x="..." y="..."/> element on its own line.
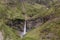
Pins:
<point x="24" y="30"/>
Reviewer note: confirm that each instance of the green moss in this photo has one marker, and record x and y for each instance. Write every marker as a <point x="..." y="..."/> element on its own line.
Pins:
<point x="28" y="38"/>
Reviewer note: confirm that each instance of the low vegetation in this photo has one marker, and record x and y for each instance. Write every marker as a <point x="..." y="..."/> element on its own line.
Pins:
<point x="13" y="13"/>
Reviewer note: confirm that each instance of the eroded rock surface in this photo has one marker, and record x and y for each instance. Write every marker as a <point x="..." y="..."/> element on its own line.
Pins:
<point x="1" y="35"/>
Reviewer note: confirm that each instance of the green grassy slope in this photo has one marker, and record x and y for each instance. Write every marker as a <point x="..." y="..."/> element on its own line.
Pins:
<point x="51" y="27"/>
<point x="14" y="10"/>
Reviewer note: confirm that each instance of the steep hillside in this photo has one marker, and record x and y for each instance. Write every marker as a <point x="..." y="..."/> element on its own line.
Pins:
<point x="41" y="17"/>
<point x="48" y="31"/>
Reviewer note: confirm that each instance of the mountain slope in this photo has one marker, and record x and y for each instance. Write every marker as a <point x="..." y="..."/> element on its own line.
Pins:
<point x="48" y="31"/>
<point x="11" y="13"/>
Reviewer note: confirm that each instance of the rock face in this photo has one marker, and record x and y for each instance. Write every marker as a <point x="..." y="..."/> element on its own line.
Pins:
<point x="18" y="24"/>
<point x="31" y="24"/>
<point x="1" y="35"/>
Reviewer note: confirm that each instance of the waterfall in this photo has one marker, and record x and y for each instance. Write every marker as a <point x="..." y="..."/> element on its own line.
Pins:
<point x="24" y="30"/>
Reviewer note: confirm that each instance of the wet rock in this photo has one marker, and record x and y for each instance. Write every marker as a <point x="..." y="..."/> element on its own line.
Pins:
<point x="16" y="24"/>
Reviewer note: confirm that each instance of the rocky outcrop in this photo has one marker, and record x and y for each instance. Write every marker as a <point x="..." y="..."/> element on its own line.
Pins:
<point x="1" y="35"/>
<point x="18" y="24"/>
